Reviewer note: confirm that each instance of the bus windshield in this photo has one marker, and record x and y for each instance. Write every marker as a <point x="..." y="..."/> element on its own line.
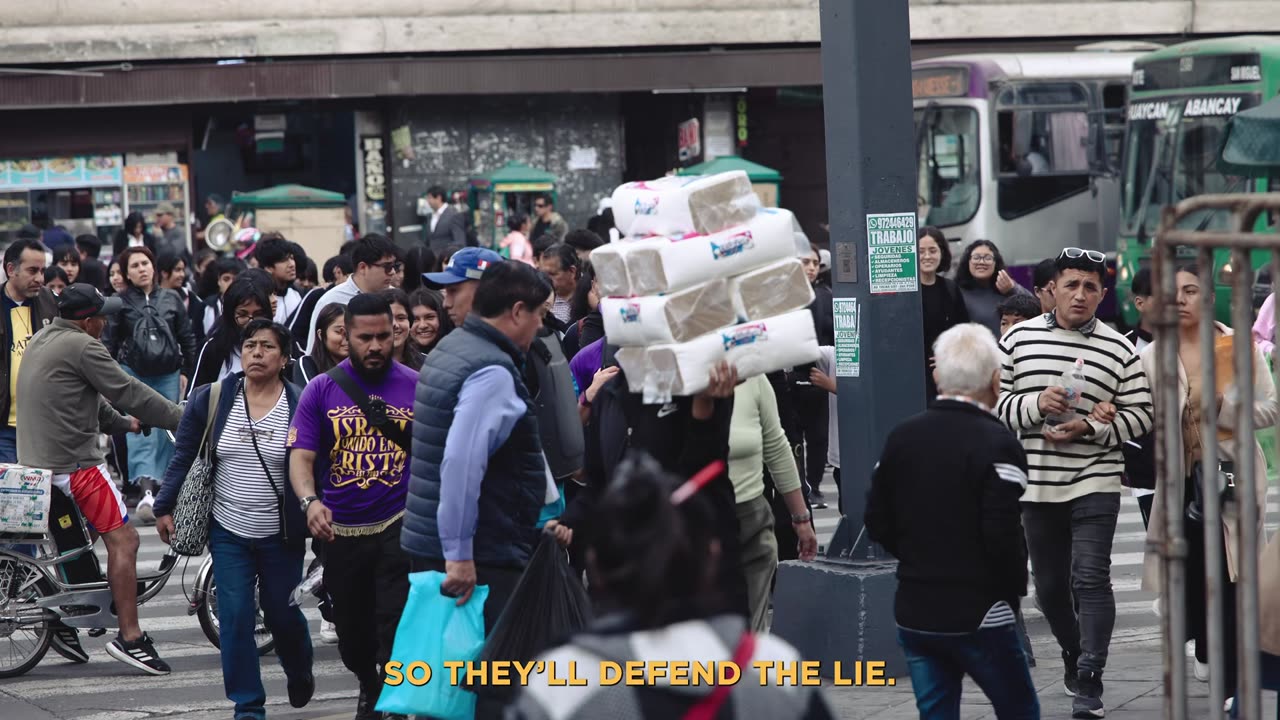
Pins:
<point x="948" y="164"/>
<point x="1169" y="160"/>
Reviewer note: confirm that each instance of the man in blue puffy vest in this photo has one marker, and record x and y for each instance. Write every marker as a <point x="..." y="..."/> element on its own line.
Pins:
<point x="479" y="479"/>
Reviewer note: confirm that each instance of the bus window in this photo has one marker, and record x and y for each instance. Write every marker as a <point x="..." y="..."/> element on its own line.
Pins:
<point x="1115" y="96"/>
<point x="948" y="165"/>
<point x="1044" y="158"/>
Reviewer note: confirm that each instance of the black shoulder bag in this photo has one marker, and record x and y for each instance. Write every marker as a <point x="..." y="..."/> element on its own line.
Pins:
<point x="253" y="436"/>
<point x="375" y="411"/>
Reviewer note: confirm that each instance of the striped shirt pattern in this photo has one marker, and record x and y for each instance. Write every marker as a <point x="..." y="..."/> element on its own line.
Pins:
<point x="999" y="615"/>
<point x="1037" y="352"/>
<point x="243" y="499"/>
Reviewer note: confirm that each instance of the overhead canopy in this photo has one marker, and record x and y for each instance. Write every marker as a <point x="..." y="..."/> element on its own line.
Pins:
<point x="288" y="196"/>
<point x="755" y="171"/>
<point x="1251" y="142"/>
<point x="515" y="176"/>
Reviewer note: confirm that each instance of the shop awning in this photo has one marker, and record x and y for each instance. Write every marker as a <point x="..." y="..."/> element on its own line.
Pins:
<point x="515" y="177"/>
<point x="287" y="196"/>
<point x="755" y="171"/>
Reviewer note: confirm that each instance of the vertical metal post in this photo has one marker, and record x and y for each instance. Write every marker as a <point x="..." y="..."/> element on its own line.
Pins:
<point x="1248" y="695"/>
<point x="1213" y="546"/>
<point x="866" y="76"/>
<point x="1172" y="547"/>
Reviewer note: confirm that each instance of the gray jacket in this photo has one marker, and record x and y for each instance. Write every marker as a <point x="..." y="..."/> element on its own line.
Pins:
<point x="68" y="378"/>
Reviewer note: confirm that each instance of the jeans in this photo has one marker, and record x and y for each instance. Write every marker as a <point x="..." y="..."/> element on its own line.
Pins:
<point x="238" y="564"/>
<point x="991" y="656"/>
<point x="149" y="455"/>
<point x="8" y="445"/>
<point x="368" y="579"/>
<point x="1070" y="548"/>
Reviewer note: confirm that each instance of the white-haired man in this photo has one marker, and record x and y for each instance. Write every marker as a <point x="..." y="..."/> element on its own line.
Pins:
<point x="952" y="518"/>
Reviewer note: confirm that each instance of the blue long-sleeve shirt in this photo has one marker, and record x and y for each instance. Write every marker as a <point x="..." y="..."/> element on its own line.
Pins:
<point x="487" y="410"/>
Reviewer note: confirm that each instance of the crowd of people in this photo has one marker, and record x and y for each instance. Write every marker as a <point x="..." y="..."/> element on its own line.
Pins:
<point x="421" y="410"/>
<point x="1043" y="466"/>
<point x="445" y="409"/>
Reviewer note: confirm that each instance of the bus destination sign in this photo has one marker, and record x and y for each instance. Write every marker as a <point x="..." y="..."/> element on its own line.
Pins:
<point x="1198" y="71"/>
<point x="939" y="82"/>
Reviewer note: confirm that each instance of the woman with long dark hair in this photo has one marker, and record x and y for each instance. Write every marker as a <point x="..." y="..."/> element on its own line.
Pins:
<point x="585" y="305"/>
<point x="163" y="360"/>
<point x="940" y="297"/>
<point x="173" y="276"/>
<point x="68" y="258"/>
<point x="654" y="571"/>
<point x="133" y="234"/>
<point x="214" y="281"/>
<point x="430" y="321"/>
<point x="984" y="284"/>
<point x="329" y="349"/>
<point x="220" y="355"/>
<point x="404" y="349"/>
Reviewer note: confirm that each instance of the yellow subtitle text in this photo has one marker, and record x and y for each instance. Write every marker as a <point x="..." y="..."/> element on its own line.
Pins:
<point x="607" y="673"/>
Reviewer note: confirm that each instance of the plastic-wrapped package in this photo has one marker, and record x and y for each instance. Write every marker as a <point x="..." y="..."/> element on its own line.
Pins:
<point x="676" y="206"/>
<point x="754" y="348"/>
<point x="634" y="364"/>
<point x="610" y="264"/>
<point x="657" y="268"/>
<point x="774" y="289"/>
<point x="673" y="318"/>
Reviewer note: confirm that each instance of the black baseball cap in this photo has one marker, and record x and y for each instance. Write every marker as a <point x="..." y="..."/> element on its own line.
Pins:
<point x="81" y="301"/>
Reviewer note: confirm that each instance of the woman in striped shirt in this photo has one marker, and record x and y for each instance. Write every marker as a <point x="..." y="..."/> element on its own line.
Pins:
<point x="257" y="530"/>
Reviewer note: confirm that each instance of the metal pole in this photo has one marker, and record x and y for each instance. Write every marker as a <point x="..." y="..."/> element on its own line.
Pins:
<point x="866" y="76"/>
<point x="1213" y="580"/>
<point x="1172" y="547"/>
<point x="1248" y="694"/>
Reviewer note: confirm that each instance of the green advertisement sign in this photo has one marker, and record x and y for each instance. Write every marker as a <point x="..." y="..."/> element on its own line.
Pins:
<point x="848" y="346"/>
<point x="891" y="253"/>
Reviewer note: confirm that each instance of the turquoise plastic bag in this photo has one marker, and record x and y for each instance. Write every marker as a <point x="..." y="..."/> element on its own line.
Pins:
<point x="432" y="630"/>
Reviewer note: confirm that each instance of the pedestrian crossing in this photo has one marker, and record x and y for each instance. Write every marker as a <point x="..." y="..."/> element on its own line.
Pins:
<point x="1136" y="621"/>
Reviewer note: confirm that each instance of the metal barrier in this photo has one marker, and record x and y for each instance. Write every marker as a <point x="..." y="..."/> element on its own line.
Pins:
<point x="1172" y="548"/>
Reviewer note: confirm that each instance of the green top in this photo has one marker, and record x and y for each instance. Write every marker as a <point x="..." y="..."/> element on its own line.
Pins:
<point x="288" y="196"/>
<point x="756" y="440"/>
<point x="755" y="171"/>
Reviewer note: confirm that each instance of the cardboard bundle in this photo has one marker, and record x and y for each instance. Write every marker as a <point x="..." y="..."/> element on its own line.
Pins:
<point x="722" y="283"/>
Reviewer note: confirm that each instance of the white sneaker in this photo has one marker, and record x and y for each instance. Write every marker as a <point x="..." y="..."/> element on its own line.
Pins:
<point x="146" y="510"/>
<point x="1202" y="671"/>
<point x="1156" y="607"/>
<point x="328" y="633"/>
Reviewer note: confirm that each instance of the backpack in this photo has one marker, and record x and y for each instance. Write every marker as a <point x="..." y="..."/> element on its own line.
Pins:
<point x="152" y="350"/>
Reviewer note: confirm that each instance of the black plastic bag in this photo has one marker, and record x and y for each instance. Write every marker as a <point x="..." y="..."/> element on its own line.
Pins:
<point x="547" y="606"/>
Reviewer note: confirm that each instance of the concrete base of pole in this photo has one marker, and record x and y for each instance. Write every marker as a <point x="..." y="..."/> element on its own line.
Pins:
<point x="835" y="610"/>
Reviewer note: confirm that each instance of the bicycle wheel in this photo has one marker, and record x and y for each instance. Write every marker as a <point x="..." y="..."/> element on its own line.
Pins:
<point x="23" y="639"/>
<point x="208" y="616"/>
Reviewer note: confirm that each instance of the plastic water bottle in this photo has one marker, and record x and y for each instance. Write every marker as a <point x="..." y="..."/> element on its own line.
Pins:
<point x="1073" y="381"/>
<point x="313" y="580"/>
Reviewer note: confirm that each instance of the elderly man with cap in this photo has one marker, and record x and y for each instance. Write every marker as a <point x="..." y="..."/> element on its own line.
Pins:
<point x="80" y="384"/>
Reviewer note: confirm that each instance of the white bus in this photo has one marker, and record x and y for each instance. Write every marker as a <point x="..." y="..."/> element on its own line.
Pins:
<point x="1023" y="149"/>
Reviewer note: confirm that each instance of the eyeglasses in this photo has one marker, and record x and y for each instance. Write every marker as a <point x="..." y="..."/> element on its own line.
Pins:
<point x="982" y="259"/>
<point x="390" y="268"/>
<point x="1073" y="253"/>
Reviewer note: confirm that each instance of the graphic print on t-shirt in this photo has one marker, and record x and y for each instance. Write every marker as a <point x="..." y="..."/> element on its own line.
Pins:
<point x="362" y="456"/>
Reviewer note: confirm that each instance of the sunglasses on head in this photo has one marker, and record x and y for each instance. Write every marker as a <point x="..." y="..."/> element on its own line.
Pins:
<point x="1072" y="253"/>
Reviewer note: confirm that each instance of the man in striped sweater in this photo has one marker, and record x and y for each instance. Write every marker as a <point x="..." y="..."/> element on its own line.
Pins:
<point x="1073" y="494"/>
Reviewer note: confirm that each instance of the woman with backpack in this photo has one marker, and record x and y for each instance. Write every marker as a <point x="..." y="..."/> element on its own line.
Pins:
<point x="152" y="340"/>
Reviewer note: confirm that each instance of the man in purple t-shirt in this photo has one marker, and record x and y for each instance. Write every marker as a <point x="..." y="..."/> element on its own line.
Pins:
<point x="352" y="480"/>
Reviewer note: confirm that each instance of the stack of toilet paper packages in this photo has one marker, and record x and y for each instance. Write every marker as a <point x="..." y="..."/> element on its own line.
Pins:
<point x="25" y="496"/>
<point x="703" y="275"/>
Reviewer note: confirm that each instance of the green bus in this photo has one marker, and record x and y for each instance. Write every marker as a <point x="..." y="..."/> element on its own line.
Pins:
<point x="1180" y="101"/>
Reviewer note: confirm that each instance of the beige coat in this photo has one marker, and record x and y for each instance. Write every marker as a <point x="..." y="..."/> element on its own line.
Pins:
<point x="1265" y="413"/>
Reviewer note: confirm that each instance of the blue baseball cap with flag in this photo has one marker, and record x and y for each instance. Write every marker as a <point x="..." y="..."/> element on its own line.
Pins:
<point x="466" y="264"/>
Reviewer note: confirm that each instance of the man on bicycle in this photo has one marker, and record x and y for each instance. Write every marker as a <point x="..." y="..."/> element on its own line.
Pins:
<point x="78" y="383"/>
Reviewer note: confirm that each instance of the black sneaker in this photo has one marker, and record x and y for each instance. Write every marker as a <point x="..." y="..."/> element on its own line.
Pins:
<point x="1088" y="702"/>
<point x="1070" y="674"/>
<point x="66" y="642"/>
<point x="140" y="653"/>
<point x="300" y="693"/>
<point x="364" y="708"/>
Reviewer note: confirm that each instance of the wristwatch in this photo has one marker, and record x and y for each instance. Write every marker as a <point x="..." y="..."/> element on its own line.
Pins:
<point x="306" y="501"/>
